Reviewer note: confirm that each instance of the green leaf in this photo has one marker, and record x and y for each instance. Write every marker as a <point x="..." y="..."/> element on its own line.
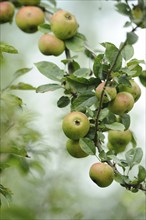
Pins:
<point x="133" y="140"/>
<point x="115" y="126"/>
<point x="7" y="48"/>
<point x="63" y="101"/>
<point x="134" y="156"/>
<point x="141" y="174"/>
<point x="21" y="72"/>
<point x="131" y="38"/>
<point x="142" y="78"/>
<point x="97" y="66"/>
<point x="83" y="101"/>
<point x="22" y="86"/>
<point x="50" y="70"/>
<point x="111" y="54"/>
<point x="122" y="8"/>
<point x="47" y="88"/>
<point x="127" y="52"/>
<point x="76" y="43"/>
<point x="44" y="28"/>
<point x="125" y="119"/>
<point x="103" y="113"/>
<point x="87" y="146"/>
<point x="82" y="72"/>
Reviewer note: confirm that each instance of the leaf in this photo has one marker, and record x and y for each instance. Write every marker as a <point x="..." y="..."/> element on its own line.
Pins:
<point x="63" y="101"/>
<point x="44" y="28"/>
<point x="111" y="54"/>
<point x="97" y="66"/>
<point x="142" y="78"/>
<point x="131" y="38"/>
<point x="6" y="192"/>
<point x="22" y="86"/>
<point x="134" y="156"/>
<point x="7" y="48"/>
<point x="47" y="88"/>
<point x="21" y="72"/>
<point x="82" y="72"/>
<point x="76" y="43"/>
<point x="123" y="8"/>
<point x="141" y="174"/>
<point x="133" y="140"/>
<point x="125" y="119"/>
<point x="127" y="52"/>
<point x="50" y="70"/>
<point x="87" y="146"/>
<point x="115" y="126"/>
<point x="103" y="113"/>
<point x="83" y="101"/>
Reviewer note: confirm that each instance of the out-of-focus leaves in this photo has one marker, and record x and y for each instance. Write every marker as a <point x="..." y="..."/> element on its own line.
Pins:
<point x="22" y="86"/>
<point x="141" y="174"/>
<point x="21" y="72"/>
<point x="134" y="156"/>
<point x="122" y="8"/>
<point x="115" y="126"/>
<point x="142" y="78"/>
<point x="127" y="52"/>
<point x="4" y="47"/>
<point x="6" y="192"/>
<point x="76" y="43"/>
<point x="44" y="28"/>
<point x="132" y="38"/>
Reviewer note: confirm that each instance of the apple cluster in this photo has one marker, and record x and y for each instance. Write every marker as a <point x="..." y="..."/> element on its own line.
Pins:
<point x="120" y="100"/>
<point x="63" y="26"/>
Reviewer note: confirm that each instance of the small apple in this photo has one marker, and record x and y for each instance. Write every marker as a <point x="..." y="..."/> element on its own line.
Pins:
<point x="74" y="149"/>
<point x="133" y="90"/>
<point x="51" y="45"/>
<point x="102" y="174"/>
<point x="75" y="125"/>
<point x="29" y="17"/>
<point x="7" y="10"/>
<point x="119" y="139"/>
<point x="64" y="24"/>
<point x="122" y="103"/>
<point x="29" y="2"/>
<point x="138" y="16"/>
<point x="109" y="94"/>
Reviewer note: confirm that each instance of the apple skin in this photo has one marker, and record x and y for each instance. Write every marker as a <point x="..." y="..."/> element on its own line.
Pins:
<point x="101" y="174"/>
<point x="122" y="103"/>
<point x="7" y="10"/>
<point x="28" y="18"/>
<point x="133" y="90"/>
<point x="29" y="2"/>
<point x="118" y="140"/>
<point x="63" y="24"/>
<point x="74" y="149"/>
<point x="51" y="45"/>
<point x="112" y="92"/>
<point x="75" y="125"/>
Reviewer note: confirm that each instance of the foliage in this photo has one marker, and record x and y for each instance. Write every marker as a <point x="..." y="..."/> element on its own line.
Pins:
<point x="114" y="65"/>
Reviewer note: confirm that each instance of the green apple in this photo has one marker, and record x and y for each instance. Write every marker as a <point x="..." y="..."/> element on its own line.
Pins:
<point x="122" y="103"/>
<point x="118" y="148"/>
<point x="138" y="16"/>
<point x="75" y="125"/>
<point x="64" y="24"/>
<point x="51" y="45"/>
<point x="7" y="10"/>
<point x="119" y="139"/>
<point x="102" y="174"/>
<point x="134" y="89"/>
<point x="29" y="2"/>
<point x="74" y="149"/>
<point x="29" y="17"/>
<point x="109" y="93"/>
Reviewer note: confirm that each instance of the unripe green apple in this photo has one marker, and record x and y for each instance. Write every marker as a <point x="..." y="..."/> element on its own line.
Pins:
<point x="7" y="10"/>
<point x="29" y="2"/>
<point x="133" y="90"/>
<point x="122" y="103"/>
<point x="51" y="45"/>
<point x="118" y="148"/>
<point x="138" y="16"/>
<point x="102" y="174"/>
<point x="75" y="125"/>
<point x="64" y="24"/>
<point x="109" y="94"/>
<point x="119" y="138"/>
<point x="29" y="17"/>
<point x="74" y="149"/>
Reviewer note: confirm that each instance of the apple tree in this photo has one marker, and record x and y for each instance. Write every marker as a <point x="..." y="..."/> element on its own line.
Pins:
<point x="100" y="97"/>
